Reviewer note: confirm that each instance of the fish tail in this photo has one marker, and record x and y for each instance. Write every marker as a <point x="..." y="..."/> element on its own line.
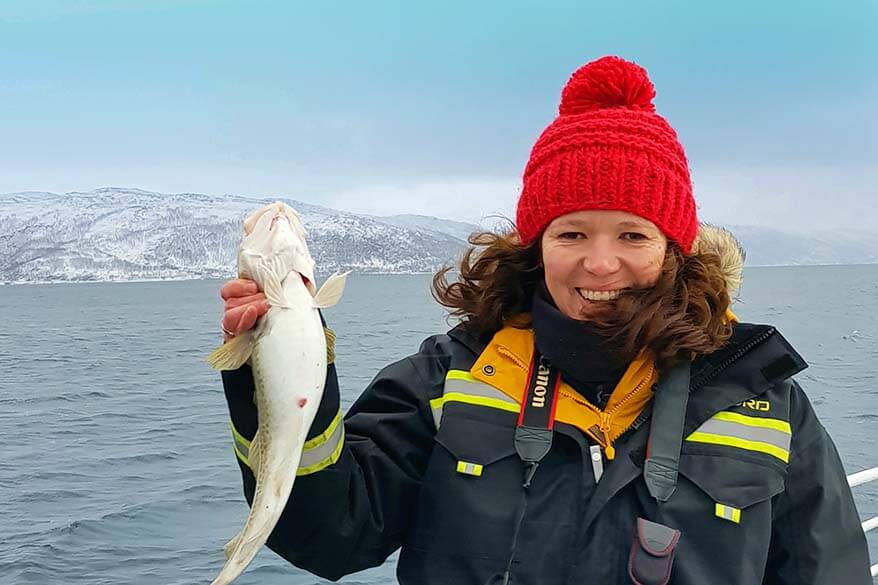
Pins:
<point x="272" y="492"/>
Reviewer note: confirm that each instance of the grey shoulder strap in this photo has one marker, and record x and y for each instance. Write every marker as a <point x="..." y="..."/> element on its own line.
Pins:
<point x="666" y="432"/>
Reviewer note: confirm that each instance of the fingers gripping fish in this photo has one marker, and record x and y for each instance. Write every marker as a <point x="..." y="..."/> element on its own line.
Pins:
<point x="287" y="352"/>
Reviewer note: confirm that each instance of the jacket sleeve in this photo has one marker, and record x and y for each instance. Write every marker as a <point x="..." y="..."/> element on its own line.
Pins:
<point x="359" y="479"/>
<point x="816" y="534"/>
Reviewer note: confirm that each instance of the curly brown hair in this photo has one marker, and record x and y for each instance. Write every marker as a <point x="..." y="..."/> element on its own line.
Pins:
<point x="683" y="315"/>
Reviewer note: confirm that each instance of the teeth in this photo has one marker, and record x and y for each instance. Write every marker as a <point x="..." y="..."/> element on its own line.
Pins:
<point x="596" y="295"/>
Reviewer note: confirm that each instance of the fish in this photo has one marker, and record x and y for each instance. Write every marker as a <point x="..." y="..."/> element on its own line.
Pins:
<point x="287" y="352"/>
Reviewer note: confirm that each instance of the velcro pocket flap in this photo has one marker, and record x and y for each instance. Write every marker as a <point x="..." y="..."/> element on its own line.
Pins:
<point x="476" y="441"/>
<point x="732" y="482"/>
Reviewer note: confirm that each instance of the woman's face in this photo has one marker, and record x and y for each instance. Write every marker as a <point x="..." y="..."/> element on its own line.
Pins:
<point x="591" y="256"/>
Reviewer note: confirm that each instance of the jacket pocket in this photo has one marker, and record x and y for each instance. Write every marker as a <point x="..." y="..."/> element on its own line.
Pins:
<point x="723" y="508"/>
<point x="470" y="490"/>
<point x="476" y="441"/>
<point x="730" y="482"/>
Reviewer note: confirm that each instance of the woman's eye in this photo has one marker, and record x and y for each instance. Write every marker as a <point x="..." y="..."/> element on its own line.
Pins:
<point x="633" y="236"/>
<point x="571" y="235"/>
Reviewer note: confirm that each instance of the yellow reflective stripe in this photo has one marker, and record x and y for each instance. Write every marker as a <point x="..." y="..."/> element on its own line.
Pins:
<point x="460" y="386"/>
<point x="324" y="452"/>
<point x="240" y="455"/>
<point x="336" y="454"/>
<point x="700" y="437"/>
<point x="477" y="400"/>
<point x="755" y="421"/>
<point x="324" y="436"/>
<point x="238" y="436"/>
<point x="468" y="468"/>
<point x="310" y="445"/>
<point x="460" y="375"/>
<point x="728" y="513"/>
<point x="239" y="439"/>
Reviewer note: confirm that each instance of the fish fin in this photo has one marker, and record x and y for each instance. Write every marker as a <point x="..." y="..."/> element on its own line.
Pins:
<point x="230" y="547"/>
<point x="272" y="286"/>
<point x="331" y="291"/>
<point x="232" y="354"/>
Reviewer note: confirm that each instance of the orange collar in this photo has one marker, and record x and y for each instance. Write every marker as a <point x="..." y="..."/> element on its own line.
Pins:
<point x="504" y="365"/>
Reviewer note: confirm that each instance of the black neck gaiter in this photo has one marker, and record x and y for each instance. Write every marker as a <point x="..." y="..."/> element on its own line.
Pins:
<point x="585" y="358"/>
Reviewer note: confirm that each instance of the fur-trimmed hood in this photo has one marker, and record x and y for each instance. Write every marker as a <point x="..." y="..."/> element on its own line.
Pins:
<point x="712" y="239"/>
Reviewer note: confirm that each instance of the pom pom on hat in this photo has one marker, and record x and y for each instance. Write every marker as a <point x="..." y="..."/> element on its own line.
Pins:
<point x="608" y="149"/>
<point x="606" y="83"/>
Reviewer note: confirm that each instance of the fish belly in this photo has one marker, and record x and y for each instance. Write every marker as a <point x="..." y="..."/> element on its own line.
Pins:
<point x="289" y="372"/>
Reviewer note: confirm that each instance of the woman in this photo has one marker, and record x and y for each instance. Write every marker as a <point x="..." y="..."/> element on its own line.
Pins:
<point x="599" y="415"/>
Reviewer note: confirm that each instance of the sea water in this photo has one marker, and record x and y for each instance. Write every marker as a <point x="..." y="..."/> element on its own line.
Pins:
<point x="117" y="463"/>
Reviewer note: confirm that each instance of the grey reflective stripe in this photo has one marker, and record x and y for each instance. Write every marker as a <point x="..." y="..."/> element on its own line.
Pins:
<point x="240" y="444"/>
<point x="750" y="433"/>
<point x="728" y="513"/>
<point x="770" y="436"/>
<point x="476" y="388"/>
<point x="326" y="452"/>
<point x="461" y="387"/>
<point x="243" y="448"/>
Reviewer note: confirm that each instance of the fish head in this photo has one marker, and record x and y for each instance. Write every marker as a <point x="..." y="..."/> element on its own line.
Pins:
<point x="274" y="232"/>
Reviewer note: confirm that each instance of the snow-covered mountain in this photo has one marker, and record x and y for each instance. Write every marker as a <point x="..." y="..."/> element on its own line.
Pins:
<point x="457" y="229"/>
<point x="129" y="234"/>
<point x="772" y="247"/>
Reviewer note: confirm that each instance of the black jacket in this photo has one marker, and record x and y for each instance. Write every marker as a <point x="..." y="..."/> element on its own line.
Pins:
<point x="391" y="480"/>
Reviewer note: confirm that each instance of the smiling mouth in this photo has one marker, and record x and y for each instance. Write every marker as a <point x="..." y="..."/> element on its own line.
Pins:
<point x="599" y="295"/>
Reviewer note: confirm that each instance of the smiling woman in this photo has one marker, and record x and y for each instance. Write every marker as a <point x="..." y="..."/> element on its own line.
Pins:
<point x="612" y="270"/>
<point x="588" y="421"/>
<point x="593" y="256"/>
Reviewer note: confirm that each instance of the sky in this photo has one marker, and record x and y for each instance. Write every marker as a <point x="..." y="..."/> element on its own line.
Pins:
<point x="433" y="107"/>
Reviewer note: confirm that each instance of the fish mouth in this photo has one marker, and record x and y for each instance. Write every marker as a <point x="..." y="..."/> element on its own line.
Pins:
<point x="277" y="216"/>
<point x="253" y="219"/>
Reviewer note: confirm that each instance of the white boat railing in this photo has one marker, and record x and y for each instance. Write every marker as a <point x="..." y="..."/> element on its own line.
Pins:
<point x="860" y="478"/>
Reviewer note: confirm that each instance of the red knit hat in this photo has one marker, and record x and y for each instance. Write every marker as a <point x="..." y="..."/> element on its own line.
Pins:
<point x="608" y="149"/>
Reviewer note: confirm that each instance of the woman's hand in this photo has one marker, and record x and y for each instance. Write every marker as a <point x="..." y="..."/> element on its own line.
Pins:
<point x="244" y="304"/>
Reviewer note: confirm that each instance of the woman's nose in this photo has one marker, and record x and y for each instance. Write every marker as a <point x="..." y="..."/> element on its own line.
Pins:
<point x="601" y="261"/>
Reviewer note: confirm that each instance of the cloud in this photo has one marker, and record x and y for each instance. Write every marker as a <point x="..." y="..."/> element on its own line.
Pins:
<point x="465" y="199"/>
<point x="797" y="198"/>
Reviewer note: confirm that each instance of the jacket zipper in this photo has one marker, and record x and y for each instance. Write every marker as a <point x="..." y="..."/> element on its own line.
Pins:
<point x="605" y="416"/>
<point x="732" y="359"/>
<point x="710" y="375"/>
<point x="645" y="414"/>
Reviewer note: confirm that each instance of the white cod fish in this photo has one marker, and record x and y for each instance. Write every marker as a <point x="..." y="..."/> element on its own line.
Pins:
<point x="287" y="352"/>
